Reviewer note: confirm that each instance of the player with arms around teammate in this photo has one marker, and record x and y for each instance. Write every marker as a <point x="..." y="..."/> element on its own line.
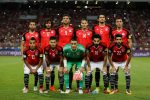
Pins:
<point x="119" y="56"/>
<point x="97" y="58"/>
<point x="74" y="53"/>
<point x="126" y="38"/>
<point x="45" y="35"/>
<point x="33" y="59"/>
<point x="54" y="59"/>
<point x="25" y="43"/>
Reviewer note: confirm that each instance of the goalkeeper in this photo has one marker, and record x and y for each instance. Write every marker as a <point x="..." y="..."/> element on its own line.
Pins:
<point x="74" y="54"/>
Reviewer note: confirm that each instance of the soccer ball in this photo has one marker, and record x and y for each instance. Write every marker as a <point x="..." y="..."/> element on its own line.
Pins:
<point x="77" y="76"/>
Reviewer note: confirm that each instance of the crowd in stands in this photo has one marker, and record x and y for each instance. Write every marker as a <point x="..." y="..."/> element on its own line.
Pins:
<point x="12" y="27"/>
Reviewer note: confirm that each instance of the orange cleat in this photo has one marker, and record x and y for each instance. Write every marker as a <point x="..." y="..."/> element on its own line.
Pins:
<point x="52" y="88"/>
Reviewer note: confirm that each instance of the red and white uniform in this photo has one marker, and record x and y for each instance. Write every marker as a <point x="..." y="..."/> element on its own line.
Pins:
<point x="96" y="55"/>
<point x="104" y="32"/>
<point x="54" y="55"/>
<point x="119" y="54"/>
<point x="45" y="37"/>
<point x="65" y="35"/>
<point x="125" y="34"/>
<point x="27" y="36"/>
<point x="84" y="37"/>
<point x="33" y="58"/>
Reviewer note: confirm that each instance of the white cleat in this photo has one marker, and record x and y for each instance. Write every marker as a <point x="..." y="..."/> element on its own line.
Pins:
<point x="46" y="91"/>
<point x="25" y="90"/>
<point x="96" y="91"/>
<point x="41" y="90"/>
<point x="62" y="92"/>
<point x="35" y="89"/>
<point x="67" y="91"/>
<point x="80" y="91"/>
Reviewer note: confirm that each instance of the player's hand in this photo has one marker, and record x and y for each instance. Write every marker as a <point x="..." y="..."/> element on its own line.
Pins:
<point x="104" y="69"/>
<point x="113" y="70"/>
<point x="65" y="70"/>
<point x="81" y="69"/>
<point x="48" y="70"/>
<point x="126" y="69"/>
<point x="34" y="71"/>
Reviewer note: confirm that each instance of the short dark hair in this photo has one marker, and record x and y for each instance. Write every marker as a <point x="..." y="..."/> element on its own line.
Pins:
<point x="118" y="35"/>
<point x="66" y="15"/>
<point x="74" y="39"/>
<point x="101" y="14"/>
<point x="53" y="38"/>
<point x="48" y="20"/>
<point x="32" y="38"/>
<point x="96" y="36"/>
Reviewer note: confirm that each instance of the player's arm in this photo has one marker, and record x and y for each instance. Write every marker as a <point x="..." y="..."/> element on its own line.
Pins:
<point x="105" y="58"/>
<point x="46" y="57"/>
<point x="22" y="44"/>
<point x="129" y="57"/>
<point x="129" y="36"/>
<point x="88" y="58"/>
<point x="40" y="62"/>
<point x="110" y="59"/>
<point x="25" y="61"/>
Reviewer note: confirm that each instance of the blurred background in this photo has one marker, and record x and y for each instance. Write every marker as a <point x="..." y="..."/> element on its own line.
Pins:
<point x="15" y="15"/>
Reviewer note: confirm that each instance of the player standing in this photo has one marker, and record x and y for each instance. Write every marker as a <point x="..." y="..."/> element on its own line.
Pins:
<point x="45" y="37"/>
<point x="105" y="32"/>
<point x="120" y="56"/>
<point x="127" y="38"/>
<point x="84" y="35"/>
<point x="74" y="53"/>
<point x="65" y="33"/>
<point x="25" y="43"/>
<point x="33" y="59"/>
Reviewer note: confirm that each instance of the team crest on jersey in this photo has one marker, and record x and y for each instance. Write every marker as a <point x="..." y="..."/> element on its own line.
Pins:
<point x="70" y="30"/>
<point x="123" y="34"/>
<point x="106" y="29"/>
<point x="36" y="53"/>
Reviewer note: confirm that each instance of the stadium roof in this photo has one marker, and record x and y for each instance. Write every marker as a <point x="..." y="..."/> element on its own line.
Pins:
<point x="22" y="1"/>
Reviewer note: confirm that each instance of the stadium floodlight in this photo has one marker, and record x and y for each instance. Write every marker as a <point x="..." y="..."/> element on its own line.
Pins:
<point x="75" y="2"/>
<point x="85" y="7"/>
<point x="55" y="1"/>
<point x="45" y="1"/>
<point x="66" y="1"/>
<point x="29" y="6"/>
<point x="117" y="2"/>
<point x="96" y="2"/>
<point x="34" y="1"/>
<point x="128" y="2"/>
<point x="87" y="2"/>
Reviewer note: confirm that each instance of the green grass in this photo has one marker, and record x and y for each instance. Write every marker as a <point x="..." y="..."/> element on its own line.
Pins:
<point x="11" y="83"/>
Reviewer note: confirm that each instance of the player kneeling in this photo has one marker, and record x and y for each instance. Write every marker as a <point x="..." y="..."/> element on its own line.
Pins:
<point x="74" y="54"/>
<point x="119" y="56"/>
<point x="33" y="59"/>
<point x="54" y="59"/>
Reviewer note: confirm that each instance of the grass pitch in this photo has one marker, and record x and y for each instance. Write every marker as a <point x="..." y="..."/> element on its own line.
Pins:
<point x="11" y="83"/>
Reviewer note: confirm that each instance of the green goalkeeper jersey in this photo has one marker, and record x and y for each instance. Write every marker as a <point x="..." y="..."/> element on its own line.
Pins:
<point x="74" y="55"/>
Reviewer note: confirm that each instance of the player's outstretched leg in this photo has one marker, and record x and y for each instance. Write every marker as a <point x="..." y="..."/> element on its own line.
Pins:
<point x="52" y="88"/>
<point x="116" y="83"/>
<point x="106" y="82"/>
<point x="112" y="82"/>
<point x="128" y="80"/>
<point x="97" y="79"/>
<point x="26" y="82"/>
<point x="70" y="78"/>
<point x="66" y="79"/>
<point x="61" y="79"/>
<point x="35" y="81"/>
<point x="88" y="79"/>
<point x="47" y="80"/>
<point x="41" y="78"/>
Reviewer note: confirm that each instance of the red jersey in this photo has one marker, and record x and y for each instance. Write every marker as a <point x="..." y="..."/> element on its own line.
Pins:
<point x="54" y="55"/>
<point x="119" y="54"/>
<point x="125" y="34"/>
<point x="65" y="35"/>
<point x="84" y="37"/>
<point x="97" y="53"/>
<point x="45" y="37"/>
<point x="27" y="36"/>
<point x="104" y="32"/>
<point x="32" y="56"/>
